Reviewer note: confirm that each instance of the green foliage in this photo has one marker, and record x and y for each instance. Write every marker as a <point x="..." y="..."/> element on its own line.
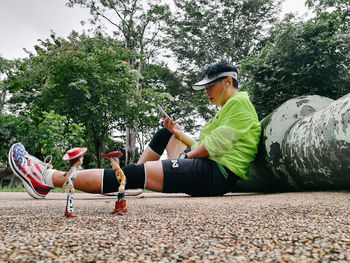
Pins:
<point x="12" y="130"/>
<point x="302" y="58"/>
<point x="5" y="69"/>
<point x="203" y="32"/>
<point x="322" y="6"/>
<point x="55" y="137"/>
<point x="49" y="134"/>
<point x="136" y="23"/>
<point x="89" y="81"/>
<point x="85" y="79"/>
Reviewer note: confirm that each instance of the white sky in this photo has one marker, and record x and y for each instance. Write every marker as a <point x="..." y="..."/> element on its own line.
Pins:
<point x="23" y="22"/>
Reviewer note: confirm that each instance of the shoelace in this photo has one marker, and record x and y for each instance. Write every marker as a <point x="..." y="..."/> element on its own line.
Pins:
<point x="47" y="161"/>
<point x="45" y="166"/>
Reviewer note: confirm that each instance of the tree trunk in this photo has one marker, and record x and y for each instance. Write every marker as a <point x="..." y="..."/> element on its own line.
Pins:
<point x="130" y="145"/>
<point x="131" y="134"/>
<point x="2" y="102"/>
<point x="98" y="144"/>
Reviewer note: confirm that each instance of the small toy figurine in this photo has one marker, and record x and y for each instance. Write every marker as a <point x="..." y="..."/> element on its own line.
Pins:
<point x="120" y="204"/>
<point x="75" y="158"/>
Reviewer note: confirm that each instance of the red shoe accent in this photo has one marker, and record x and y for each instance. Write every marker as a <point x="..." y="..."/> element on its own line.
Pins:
<point x="117" y="207"/>
<point x="123" y="208"/>
<point x="120" y="207"/>
<point x="70" y="215"/>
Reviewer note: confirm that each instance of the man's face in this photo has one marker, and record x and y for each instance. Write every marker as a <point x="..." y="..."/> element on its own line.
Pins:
<point x="214" y="91"/>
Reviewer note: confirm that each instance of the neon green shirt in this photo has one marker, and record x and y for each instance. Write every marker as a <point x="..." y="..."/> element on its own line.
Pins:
<point x="232" y="136"/>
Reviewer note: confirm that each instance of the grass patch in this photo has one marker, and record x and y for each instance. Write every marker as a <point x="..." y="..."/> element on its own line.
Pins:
<point x="148" y="191"/>
<point x="20" y="188"/>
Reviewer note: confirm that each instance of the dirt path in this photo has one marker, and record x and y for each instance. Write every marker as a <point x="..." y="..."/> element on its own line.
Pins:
<point x="299" y="227"/>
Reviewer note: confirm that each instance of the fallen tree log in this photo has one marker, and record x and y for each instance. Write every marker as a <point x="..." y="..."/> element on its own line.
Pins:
<point x="305" y="145"/>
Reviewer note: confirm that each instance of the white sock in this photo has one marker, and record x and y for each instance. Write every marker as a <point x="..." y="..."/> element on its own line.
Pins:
<point x="47" y="177"/>
<point x="144" y="185"/>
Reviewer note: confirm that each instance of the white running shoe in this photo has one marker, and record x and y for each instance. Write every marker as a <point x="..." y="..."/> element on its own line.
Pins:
<point x="30" y="170"/>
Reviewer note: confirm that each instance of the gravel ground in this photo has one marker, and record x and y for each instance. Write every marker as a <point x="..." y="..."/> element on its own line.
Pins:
<point x="287" y="227"/>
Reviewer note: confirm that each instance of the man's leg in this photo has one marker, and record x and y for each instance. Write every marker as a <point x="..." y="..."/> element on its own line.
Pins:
<point x="156" y="147"/>
<point x="148" y="155"/>
<point x="90" y="180"/>
<point x="87" y="180"/>
<point x="155" y="176"/>
<point x="199" y="177"/>
<point x="175" y="147"/>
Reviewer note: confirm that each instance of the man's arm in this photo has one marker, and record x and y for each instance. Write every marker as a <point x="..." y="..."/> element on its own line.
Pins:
<point x="200" y="152"/>
<point x="175" y="128"/>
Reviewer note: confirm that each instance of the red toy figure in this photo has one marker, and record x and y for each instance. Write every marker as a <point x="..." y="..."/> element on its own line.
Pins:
<point x="75" y="158"/>
<point x="120" y="204"/>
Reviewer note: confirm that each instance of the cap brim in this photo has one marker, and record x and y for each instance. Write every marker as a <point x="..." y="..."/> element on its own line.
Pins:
<point x="198" y="87"/>
<point x="201" y="84"/>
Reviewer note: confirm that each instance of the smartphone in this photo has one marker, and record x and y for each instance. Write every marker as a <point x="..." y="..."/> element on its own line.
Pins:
<point x="162" y="111"/>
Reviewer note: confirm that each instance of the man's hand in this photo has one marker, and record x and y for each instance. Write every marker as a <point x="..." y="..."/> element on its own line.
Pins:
<point x="172" y="126"/>
<point x="176" y="129"/>
<point x="200" y="152"/>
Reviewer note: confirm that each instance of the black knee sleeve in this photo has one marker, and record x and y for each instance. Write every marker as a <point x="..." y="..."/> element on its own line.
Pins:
<point x="135" y="175"/>
<point x="160" y="140"/>
<point x="135" y="178"/>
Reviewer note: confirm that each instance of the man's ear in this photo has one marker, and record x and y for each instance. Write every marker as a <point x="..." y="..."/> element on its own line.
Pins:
<point x="229" y="81"/>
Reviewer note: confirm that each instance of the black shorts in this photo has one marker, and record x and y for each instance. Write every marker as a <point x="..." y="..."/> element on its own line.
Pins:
<point x="196" y="177"/>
